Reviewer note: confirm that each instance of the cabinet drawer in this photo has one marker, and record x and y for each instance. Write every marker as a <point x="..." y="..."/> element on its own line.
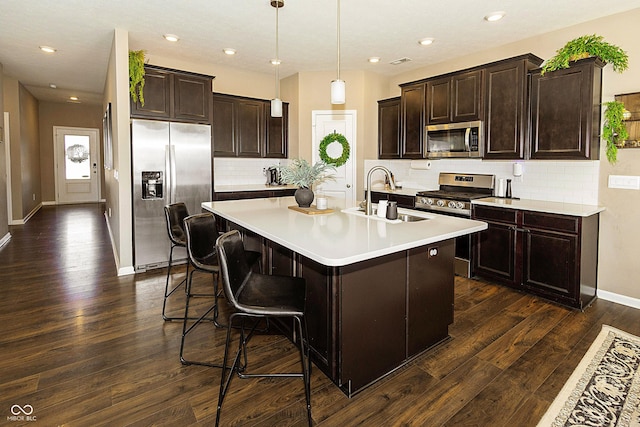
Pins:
<point x="495" y="214"/>
<point x="551" y="222"/>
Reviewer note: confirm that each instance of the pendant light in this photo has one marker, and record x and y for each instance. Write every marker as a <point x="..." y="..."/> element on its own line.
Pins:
<point x="338" y="88"/>
<point x="276" y="103"/>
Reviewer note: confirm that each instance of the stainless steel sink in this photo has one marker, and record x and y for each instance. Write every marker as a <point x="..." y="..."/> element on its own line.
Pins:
<point x="410" y="218"/>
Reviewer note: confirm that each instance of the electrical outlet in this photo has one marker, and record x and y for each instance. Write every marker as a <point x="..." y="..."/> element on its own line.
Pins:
<point x="34" y="197"/>
<point x="624" y="181"/>
<point x="109" y="212"/>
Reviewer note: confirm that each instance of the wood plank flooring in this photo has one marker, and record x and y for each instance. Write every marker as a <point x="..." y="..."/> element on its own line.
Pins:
<point x="85" y="347"/>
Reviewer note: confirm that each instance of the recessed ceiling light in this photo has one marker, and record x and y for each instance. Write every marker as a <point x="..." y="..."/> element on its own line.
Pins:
<point x="426" y="41"/>
<point x="47" y="49"/>
<point x="53" y="86"/>
<point x="374" y="59"/>
<point x="73" y="98"/>
<point x="229" y="51"/>
<point x="275" y="61"/>
<point x="171" y="37"/>
<point x="494" y="16"/>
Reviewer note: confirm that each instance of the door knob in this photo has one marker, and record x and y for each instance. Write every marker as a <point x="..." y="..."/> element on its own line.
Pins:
<point x="348" y="185"/>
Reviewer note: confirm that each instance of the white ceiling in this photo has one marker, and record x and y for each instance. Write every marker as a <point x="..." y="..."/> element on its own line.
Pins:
<point x="82" y="33"/>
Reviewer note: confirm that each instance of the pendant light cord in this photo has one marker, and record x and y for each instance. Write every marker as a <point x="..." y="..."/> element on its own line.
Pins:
<point x="277" y="54"/>
<point x="338" y="38"/>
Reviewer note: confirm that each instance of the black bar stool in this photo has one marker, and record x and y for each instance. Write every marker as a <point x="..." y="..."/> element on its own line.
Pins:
<point x="256" y="296"/>
<point x="201" y="234"/>
<point x="174" y="214"/>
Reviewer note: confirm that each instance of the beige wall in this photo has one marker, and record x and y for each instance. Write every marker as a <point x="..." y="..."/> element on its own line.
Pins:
<point x="618" y="267"/>
<point x="30" y="148"/>
<point x="4" y="216"/>
<point x="62" y="114"/>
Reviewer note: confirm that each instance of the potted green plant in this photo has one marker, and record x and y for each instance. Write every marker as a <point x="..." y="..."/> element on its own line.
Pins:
<point x="301" y="174"/>
<point x="584" y="47"/>
<point x="614" y="130"/>
<point x="136" y="75"/>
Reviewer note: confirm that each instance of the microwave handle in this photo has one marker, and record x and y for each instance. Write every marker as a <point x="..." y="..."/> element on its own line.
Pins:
<point x="467" y="134"/>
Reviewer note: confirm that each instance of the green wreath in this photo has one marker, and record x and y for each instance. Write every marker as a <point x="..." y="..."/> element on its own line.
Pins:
<point x="335" y="137"/>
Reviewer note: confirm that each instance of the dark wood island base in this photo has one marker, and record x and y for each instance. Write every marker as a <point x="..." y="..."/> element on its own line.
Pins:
<point x="369" y="318"/>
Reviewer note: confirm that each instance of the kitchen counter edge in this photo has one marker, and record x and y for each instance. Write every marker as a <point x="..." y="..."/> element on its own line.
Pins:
<point x="561" y="208"/>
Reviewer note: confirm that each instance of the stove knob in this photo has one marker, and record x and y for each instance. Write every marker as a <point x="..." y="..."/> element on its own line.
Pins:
<point x="460" y="205"/>
<point x="452" y="204"/>
<point x="430" y="201"/>
<point x="440" y="203"/>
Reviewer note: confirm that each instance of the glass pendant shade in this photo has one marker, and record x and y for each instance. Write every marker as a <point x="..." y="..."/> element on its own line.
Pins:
<point x="338" y="92"/>
<point x="276" y="107"/>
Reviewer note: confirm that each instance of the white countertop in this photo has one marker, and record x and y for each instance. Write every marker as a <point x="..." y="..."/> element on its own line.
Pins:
<point x="250" y="187"/>
<point x="338" y="238"/>
<point x="572" y="209"/>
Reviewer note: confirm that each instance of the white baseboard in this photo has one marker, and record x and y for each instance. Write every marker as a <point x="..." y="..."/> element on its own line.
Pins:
<point x="32" y="213"/>
<point x="620" y="299"/>
<point x="122" y="271"/>
<point x="5" y="239"/>
<point x="49" y="203"/>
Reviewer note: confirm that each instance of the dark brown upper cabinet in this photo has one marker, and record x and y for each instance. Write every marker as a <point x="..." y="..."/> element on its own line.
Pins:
<point x="565" y="112"/>
<point x="389" y="128"/>
<point x="455" y="98"/>
<point x="174" y="95"/>
<point x="506" y="107"/>
<point x="243" y="127"/>
<point x="412" y="105"/>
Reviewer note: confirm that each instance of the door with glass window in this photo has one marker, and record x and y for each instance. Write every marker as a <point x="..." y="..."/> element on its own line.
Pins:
<point x="77" y="159"/>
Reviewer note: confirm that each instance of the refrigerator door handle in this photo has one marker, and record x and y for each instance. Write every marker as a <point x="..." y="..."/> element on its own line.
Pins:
<point x="168" y="175"/>
<point x="174" y="180"/>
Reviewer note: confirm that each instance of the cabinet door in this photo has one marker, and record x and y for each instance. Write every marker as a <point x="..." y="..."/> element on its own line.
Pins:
<point x="565" y="110"/>
<point x="430" y="295"/>
<point x="550" y="264"/>
<point x="250" y="134"/>
<point x="280" y="260"/>
<point x="495" y="253"/>
<point x="223" y="129"/>
<point x="439" y="101"/>
<point x="192" y="95"/>
<point x="466" y="94"/>
<point x="277" y="140"/>
<point x="412" y="115"/>
<point x="505" y="111"/>
<point x="389" y="129"/>
<point x="157" y="95"/>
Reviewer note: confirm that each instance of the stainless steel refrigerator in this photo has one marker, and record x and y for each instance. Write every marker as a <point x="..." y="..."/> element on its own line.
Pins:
<point x="171" y="163"/>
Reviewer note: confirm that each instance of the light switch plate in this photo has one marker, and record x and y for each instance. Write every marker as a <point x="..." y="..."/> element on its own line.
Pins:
<point x="627" y="182"/>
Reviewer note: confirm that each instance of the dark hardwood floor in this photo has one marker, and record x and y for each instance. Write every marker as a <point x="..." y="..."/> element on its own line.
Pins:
<point x="85" y="347"/>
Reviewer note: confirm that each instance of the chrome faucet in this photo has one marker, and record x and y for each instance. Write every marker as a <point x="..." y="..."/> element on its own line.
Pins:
<point x="392" y="184"/>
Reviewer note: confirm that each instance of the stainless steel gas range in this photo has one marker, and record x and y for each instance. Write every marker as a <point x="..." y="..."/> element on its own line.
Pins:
<point x="454" y="196"/>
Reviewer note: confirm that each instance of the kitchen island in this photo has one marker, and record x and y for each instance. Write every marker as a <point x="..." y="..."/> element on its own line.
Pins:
<point x="379" y="292"/>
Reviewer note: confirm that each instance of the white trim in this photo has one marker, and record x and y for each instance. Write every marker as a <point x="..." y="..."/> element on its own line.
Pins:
<point x="620" y="299"/>
<point x="5" y="239"/>
<point x="7" y="152"/>
<point x="49" y="203"/>
<point x="125" y="271"/>
<point x="32" y="213"/>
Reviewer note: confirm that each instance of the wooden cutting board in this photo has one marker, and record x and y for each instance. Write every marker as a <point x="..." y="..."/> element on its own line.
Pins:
<point x="311" y="210"/>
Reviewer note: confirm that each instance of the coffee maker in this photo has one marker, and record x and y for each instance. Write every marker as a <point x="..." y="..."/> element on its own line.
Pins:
<point x="273" y="175"/>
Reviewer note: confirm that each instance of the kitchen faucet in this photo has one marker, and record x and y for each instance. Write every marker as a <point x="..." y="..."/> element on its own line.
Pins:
<point x="392" y="184"/>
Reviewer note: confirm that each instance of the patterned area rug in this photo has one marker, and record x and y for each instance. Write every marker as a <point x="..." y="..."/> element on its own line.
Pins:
<point x="604" y="389"/>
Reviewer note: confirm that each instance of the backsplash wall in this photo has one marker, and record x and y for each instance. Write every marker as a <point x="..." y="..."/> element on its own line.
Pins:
<point x="558" y="181"/>
<point x="228" y="171"/>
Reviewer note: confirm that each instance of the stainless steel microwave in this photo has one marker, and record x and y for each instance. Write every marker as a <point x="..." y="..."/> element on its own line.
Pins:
<point x="454" y="140"/>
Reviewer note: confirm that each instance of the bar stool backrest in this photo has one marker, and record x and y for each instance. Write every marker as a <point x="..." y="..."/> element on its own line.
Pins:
<point x="175" y="214"/>
<point x="201" y="240"/>
<point x="234" y="268"/>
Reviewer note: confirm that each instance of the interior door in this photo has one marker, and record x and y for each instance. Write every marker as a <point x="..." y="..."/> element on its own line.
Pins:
<point x="324" y="123"/>
<point x="77" y="159"/>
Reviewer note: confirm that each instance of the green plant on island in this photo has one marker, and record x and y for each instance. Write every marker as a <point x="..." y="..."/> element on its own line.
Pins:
<point x="301" y="174"/>
<point x="136" y="75"/>
<point x="584" y="47"/>
<point x="614" y="130"/>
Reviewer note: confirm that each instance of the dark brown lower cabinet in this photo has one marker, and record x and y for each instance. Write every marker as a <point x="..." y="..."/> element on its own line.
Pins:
<point x="404" y="201"/>
<point x="237" y="195"/>
<point x="554" y="256"/>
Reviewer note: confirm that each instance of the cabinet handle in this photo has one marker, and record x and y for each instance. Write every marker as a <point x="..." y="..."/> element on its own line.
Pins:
<point x="522" y="230"/>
